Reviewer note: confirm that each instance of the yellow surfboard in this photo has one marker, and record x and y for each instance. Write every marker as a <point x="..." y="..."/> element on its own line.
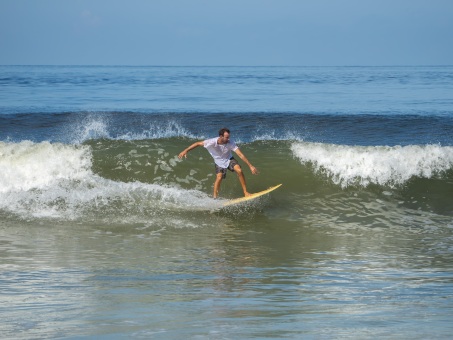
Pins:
<point x="251" y="197"/>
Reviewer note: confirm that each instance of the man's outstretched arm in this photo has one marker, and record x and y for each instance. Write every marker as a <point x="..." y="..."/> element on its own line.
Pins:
<point x="193" y="146"/>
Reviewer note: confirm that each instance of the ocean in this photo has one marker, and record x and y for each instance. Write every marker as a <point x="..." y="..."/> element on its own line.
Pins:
<point x="105" y="233"/>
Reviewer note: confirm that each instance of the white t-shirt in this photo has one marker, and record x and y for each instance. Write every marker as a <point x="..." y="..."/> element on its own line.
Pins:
<point x="220" y="152"/>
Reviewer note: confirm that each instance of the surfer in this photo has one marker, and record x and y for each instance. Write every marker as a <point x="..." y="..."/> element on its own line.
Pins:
<point x="220" y="149"/>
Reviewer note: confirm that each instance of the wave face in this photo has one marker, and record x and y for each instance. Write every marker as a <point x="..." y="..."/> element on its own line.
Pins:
<point x="123" y="182"/>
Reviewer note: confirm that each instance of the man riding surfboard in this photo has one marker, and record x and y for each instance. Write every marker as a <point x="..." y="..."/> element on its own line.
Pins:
<point x="220" y="149"/>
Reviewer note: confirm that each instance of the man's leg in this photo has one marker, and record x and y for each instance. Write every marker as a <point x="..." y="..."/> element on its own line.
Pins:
<point x="241" y="177"/>
<point x="218" y="181"/>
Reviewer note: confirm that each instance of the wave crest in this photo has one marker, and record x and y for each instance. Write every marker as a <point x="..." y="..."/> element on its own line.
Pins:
<point x="27" y="165"/>
<point x="98" y="126"/>
<point x="382" y="165"/>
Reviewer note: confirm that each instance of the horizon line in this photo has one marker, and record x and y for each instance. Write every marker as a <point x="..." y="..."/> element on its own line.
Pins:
<point x="152" y="65"/>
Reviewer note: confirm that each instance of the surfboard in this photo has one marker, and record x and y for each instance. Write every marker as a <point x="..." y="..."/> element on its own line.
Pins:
<point x="251" y="197"/>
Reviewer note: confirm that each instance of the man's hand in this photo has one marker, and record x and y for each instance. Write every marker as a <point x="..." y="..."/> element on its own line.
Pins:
<point x="183" y="154"/>
<point x="254" y="170"/>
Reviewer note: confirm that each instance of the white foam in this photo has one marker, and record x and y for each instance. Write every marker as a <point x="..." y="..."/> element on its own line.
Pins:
<point x="47" y="180"/>
<point x="93" y="129"/>
<point x="272" y="135"/>
<point x="164" y="130"/>
<point x="26" y="165"/>
<point x="98" y="126"/>
<point x="383" y="165"/>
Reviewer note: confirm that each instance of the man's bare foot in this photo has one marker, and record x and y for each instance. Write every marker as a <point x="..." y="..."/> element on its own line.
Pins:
<point x="247" y="194"/>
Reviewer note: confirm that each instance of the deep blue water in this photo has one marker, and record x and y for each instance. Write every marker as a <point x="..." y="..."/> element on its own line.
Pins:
<point x="317" y="90"/>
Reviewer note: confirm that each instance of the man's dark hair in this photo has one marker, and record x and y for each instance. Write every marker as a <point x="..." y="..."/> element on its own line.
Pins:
<point x="222" y="131"/>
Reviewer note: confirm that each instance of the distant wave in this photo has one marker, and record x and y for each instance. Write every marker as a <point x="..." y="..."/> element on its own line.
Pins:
<point x="79" y="127"/>
<point x="100" y="126"/>
<point x="103" y="126"/>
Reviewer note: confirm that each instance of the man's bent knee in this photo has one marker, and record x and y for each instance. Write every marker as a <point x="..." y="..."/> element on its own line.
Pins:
<point x="237" y="168"/>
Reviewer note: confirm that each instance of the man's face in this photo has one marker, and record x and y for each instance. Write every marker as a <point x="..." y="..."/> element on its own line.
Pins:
<point x="225" y="138"/>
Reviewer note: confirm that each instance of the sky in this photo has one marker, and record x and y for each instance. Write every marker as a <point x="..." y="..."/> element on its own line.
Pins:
<point x="226" y="32"/>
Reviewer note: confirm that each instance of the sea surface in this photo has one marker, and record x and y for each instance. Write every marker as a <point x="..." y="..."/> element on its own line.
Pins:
<point x="106" y="234"/>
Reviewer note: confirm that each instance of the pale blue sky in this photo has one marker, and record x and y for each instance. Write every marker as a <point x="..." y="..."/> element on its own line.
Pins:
<point x="226" y="32"/>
